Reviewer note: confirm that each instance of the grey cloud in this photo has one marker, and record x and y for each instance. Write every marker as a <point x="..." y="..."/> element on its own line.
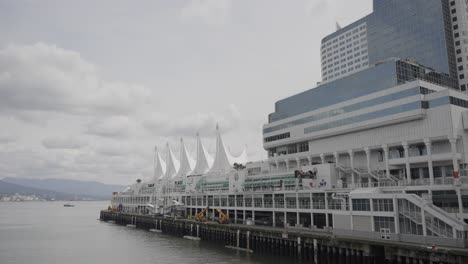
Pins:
<point x="63" y="143"/>
<point x="212" y="12"/>
<point x="8" y="138"/>
<point x="314" y="7"/>
<point x="204" y="123"/>
<point x="114" y="126"/>
<point x="47" y="78"/>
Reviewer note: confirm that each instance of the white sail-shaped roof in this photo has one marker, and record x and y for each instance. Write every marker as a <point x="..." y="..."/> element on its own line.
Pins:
<point x="186" y="162"/>
<point x="172" y="164"/>
<point x="222" y="160"/>
<point x="159" y="165"/>
<point x="204" y="160"/>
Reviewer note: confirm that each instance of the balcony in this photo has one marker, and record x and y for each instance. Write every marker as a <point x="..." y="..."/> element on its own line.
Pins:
<point x="422" y="158"/>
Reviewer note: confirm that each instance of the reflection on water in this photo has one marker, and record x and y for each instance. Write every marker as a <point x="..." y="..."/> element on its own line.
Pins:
<point x="47" y="232"/>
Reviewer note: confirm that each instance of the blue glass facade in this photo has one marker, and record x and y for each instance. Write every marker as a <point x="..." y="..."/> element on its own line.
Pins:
<point x="365" y="117"/>
<point x="417" y="29"/>
<point x="410" y="29"/>
<point x="348" y="109"/>
<point x="374" y="79"/>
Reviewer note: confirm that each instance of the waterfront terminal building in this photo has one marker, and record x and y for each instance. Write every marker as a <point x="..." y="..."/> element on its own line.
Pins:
<point x="376" y="150"/>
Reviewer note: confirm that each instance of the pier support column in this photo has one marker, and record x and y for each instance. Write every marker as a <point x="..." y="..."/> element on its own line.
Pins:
<point x="315" y="251"/>
<point x="299" y="246"/>
<point x="237" y="238"/>
<point x="248" y="240"/>
<point x="198" y="231"/>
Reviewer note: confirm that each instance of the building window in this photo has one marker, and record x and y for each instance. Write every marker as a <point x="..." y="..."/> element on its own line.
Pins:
<point x="361" y="205"/>
<point x="278" y="137"/>
<point x="382" y="205"/>
<point x="457" y="43"/>
<point x="462" y="76"/>
<point x="452" y="3"/>
<point x="459" y="59"/>
<point x="454" y="19"/>
<point x="458" y="51"/>
<point x="454" y="11"/>
<point x="304" y="147"/>
<point x="380" y="155"/>
<point x="456" y="35"/>
<point x="455" y="27"/>
<point x="460" y="68"/>
<point x="382" y="222"/>
<point x="463" y="87"/>
<point x="292" y="149"/>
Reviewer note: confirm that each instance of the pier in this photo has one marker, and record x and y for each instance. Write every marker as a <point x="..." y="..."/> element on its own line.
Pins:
<point x="313" y="246"/>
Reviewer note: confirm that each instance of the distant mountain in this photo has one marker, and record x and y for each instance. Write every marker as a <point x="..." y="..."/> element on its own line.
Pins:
<point x="11" y="188"/>
<point x="80" y="188"/>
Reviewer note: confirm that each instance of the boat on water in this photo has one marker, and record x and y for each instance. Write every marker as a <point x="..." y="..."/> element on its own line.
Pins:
<point x="377" y="150"/>
<point x="68" y="205"/>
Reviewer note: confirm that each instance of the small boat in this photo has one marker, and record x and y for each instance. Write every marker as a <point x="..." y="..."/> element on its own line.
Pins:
<point x="68" y="205"/>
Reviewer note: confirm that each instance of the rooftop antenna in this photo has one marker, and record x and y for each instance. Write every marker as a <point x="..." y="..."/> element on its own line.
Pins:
<point x="338" y="27"/>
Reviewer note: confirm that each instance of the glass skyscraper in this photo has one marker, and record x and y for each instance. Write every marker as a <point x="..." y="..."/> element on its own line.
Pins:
<point x="417" y="30"/>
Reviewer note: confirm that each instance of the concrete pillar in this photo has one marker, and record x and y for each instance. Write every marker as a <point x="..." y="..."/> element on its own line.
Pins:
<point x="408" y="167"/>
<point x="253" y="216"/>
<point x="316" y="248"/>
<point x="387" y="166"/>
<point x="309" y="160"/>
<point x="423" y="220"/>
<point x="395" y="215"/>
<point x="297" y="207"/>
<point x="298" y="162"/>
<point x="299" y="246"/>
<point x="287" y="164"/>
<point x="248" y="240"/>
<point x="456" y="167"/>
<point x="326" y="209"/>
<point x="351" y="160"/>
<point x="237" y="238"/>
<point x="274" y="218"/>
<point x="337" y="160"/>
<point x="322" y="157"/>
<point x="285" y="218"/>
<point x="460" y="201"/>
<point x="368" y="157"/>
<point x="428" y="144"/>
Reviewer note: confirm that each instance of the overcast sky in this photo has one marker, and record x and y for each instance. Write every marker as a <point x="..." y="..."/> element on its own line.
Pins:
<point x="88" y="88"/>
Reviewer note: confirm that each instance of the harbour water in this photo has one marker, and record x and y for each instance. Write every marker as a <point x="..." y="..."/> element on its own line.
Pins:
<point x="47" y="232"/>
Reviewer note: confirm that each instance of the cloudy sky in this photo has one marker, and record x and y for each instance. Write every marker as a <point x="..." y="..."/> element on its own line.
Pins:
<point x="88" y="88"/>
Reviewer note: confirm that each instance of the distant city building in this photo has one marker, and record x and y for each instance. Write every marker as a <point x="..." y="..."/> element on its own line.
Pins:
<point x="459" y="18"/>
<point x="420" y="30"/>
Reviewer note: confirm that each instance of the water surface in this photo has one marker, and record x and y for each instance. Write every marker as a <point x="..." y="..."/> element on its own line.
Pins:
<point x="48" y="233"/>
